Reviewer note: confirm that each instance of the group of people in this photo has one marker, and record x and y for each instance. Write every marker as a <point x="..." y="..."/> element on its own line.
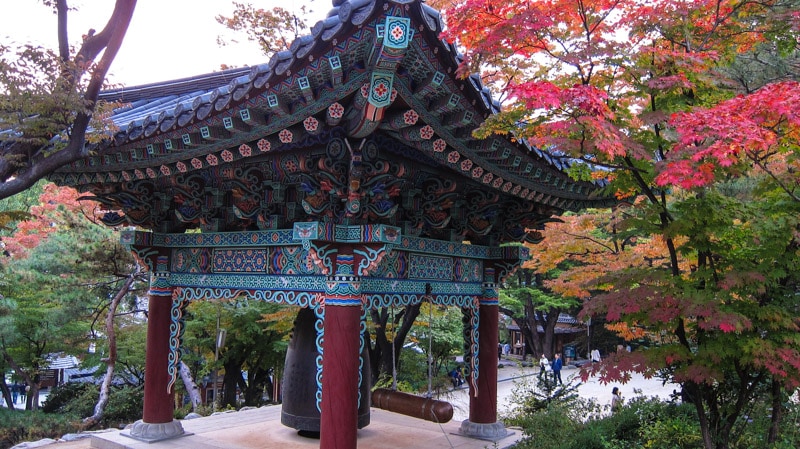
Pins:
<point x="18" y="391"/>
<point x="503" y="349"/>
<point x="545" y="367"/>
<point x="556" y="365"/>
<point x="456" y="377"/>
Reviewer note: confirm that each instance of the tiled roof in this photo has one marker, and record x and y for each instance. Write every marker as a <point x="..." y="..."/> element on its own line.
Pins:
<point x="349" y="79"/>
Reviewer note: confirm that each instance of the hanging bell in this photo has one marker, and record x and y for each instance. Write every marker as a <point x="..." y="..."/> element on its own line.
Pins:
<point x="299" y="410"/>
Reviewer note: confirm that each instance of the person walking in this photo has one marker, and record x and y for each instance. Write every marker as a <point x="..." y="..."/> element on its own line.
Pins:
<point x="543" y="365"/>
<point x="14" y="392"/>
<point x="557" y="365"/>
<point x="616" y="400"/>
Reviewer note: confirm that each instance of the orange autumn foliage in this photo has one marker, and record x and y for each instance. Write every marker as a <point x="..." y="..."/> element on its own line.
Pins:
<point x="55" y="208"/>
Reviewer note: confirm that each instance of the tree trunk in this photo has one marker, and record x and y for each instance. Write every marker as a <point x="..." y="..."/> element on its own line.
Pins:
<point x="231" y="379"/>
<point x="111" y="360"/>
<point x="30" y="381"/>
<point x="539" y="343"/>
<point x="32" y="401"/>
<point x="777" y="413"/>
<point x="548" y="323"/>
<point x="386" y="354"/>
<point x="693" y="390"/>
<point x="191" y="387"/>
<point x="6" y="393"/>
<point x="257" y="380"/>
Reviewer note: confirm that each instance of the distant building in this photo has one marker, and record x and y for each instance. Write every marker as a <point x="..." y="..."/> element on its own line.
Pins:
<point x="58" y="369"/>
<point x="566" y="331"/>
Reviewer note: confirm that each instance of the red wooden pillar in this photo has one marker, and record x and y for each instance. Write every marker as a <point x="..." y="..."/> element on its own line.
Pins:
<point x="482" y="422"/>
<point x="483" y="406"/>
<point x="340" y="357"/>
<point x="157" y="421"/>
<point x="157" y="399"/>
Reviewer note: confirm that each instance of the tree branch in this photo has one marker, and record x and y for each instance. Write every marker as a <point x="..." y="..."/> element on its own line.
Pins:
<point x="17" y="178"/>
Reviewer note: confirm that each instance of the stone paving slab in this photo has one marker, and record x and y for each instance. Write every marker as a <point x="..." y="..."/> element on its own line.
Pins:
<point x="261" y="428"/>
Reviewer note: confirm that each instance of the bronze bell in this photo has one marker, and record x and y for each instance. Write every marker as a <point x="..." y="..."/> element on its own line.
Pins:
<point x="299" y="409"/>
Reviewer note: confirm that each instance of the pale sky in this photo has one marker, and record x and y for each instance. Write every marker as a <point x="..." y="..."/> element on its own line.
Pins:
<point x="167" y="39"/>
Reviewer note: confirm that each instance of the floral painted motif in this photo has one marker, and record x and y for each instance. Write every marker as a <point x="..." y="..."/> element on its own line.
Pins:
<point x="381" y="89"/>
<point x="264" y="145"/>
<point x="410" y="117"/>
<point x="165" y="170"/>
<point x="398" y="32"/>
<point x="426" y="132"/>
<point x="477" y="172"/>
<point x="290" y="165"/>
<point x="311" y="124"/>
<point x="439" y="145"/>
<point x="285" y="136"/>
<point x="227" y="156"/>
<point x="516" y="190"/>
<point x="181" y="167"/>
<point x="507" y="186"/>
<point x="138" y="174"/>
<point x="466" y="164"/>
<point x="497" y="183"/>
<point x="212" y="159"/>
<point x="150" y="172"/>
<point x="126" y="176"/>
<point x="453" y="157"/>
<point x="197" y="163"/>
<point x="336" y="110"/>
<point x="245" y="150"/>
<point x="487" y="178"/>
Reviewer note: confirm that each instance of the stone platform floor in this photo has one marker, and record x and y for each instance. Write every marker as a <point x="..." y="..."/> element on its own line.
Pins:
<point x="261" y="428"/>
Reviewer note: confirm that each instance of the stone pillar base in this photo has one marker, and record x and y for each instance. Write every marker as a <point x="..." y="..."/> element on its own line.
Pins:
<point x="483" y="431"/>
<point x="151" y="433"/>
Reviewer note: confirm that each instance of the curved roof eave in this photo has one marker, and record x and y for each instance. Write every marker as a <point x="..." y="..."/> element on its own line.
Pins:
<point x="163" y="111"/>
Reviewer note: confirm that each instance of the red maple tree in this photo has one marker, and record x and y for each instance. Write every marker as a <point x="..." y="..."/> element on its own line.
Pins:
<point x="641" y="93"/>
<point x="56" y="208"/>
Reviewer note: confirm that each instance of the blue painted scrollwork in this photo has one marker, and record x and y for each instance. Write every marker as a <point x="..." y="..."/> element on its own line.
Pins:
<point x="176" y="329"/>
<point x="370" y="258"/>
<point x="319" y="326"/>
<point x="321" y="256"/>
<point x="361" y="352"/>
<point x="471" y="320"/>
<point x="290" y="297"/>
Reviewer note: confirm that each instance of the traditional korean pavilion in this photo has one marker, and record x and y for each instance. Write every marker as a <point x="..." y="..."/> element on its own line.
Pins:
<point x="341" y="176"/>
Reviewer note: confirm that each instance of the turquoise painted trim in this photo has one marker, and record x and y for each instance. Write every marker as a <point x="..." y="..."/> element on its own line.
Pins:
<point x="324" y="232"/>
<point x="316" y="284"/>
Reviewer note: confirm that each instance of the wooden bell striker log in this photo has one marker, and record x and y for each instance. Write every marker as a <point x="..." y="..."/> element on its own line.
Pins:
<point x="411" y="405"/>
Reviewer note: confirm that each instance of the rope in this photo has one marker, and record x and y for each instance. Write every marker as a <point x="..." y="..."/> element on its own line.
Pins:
<point x="430" y="356"/>
<point x="430" y="347"/>
<point x="429" y="297"/>
<point x="394" y="357"/>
